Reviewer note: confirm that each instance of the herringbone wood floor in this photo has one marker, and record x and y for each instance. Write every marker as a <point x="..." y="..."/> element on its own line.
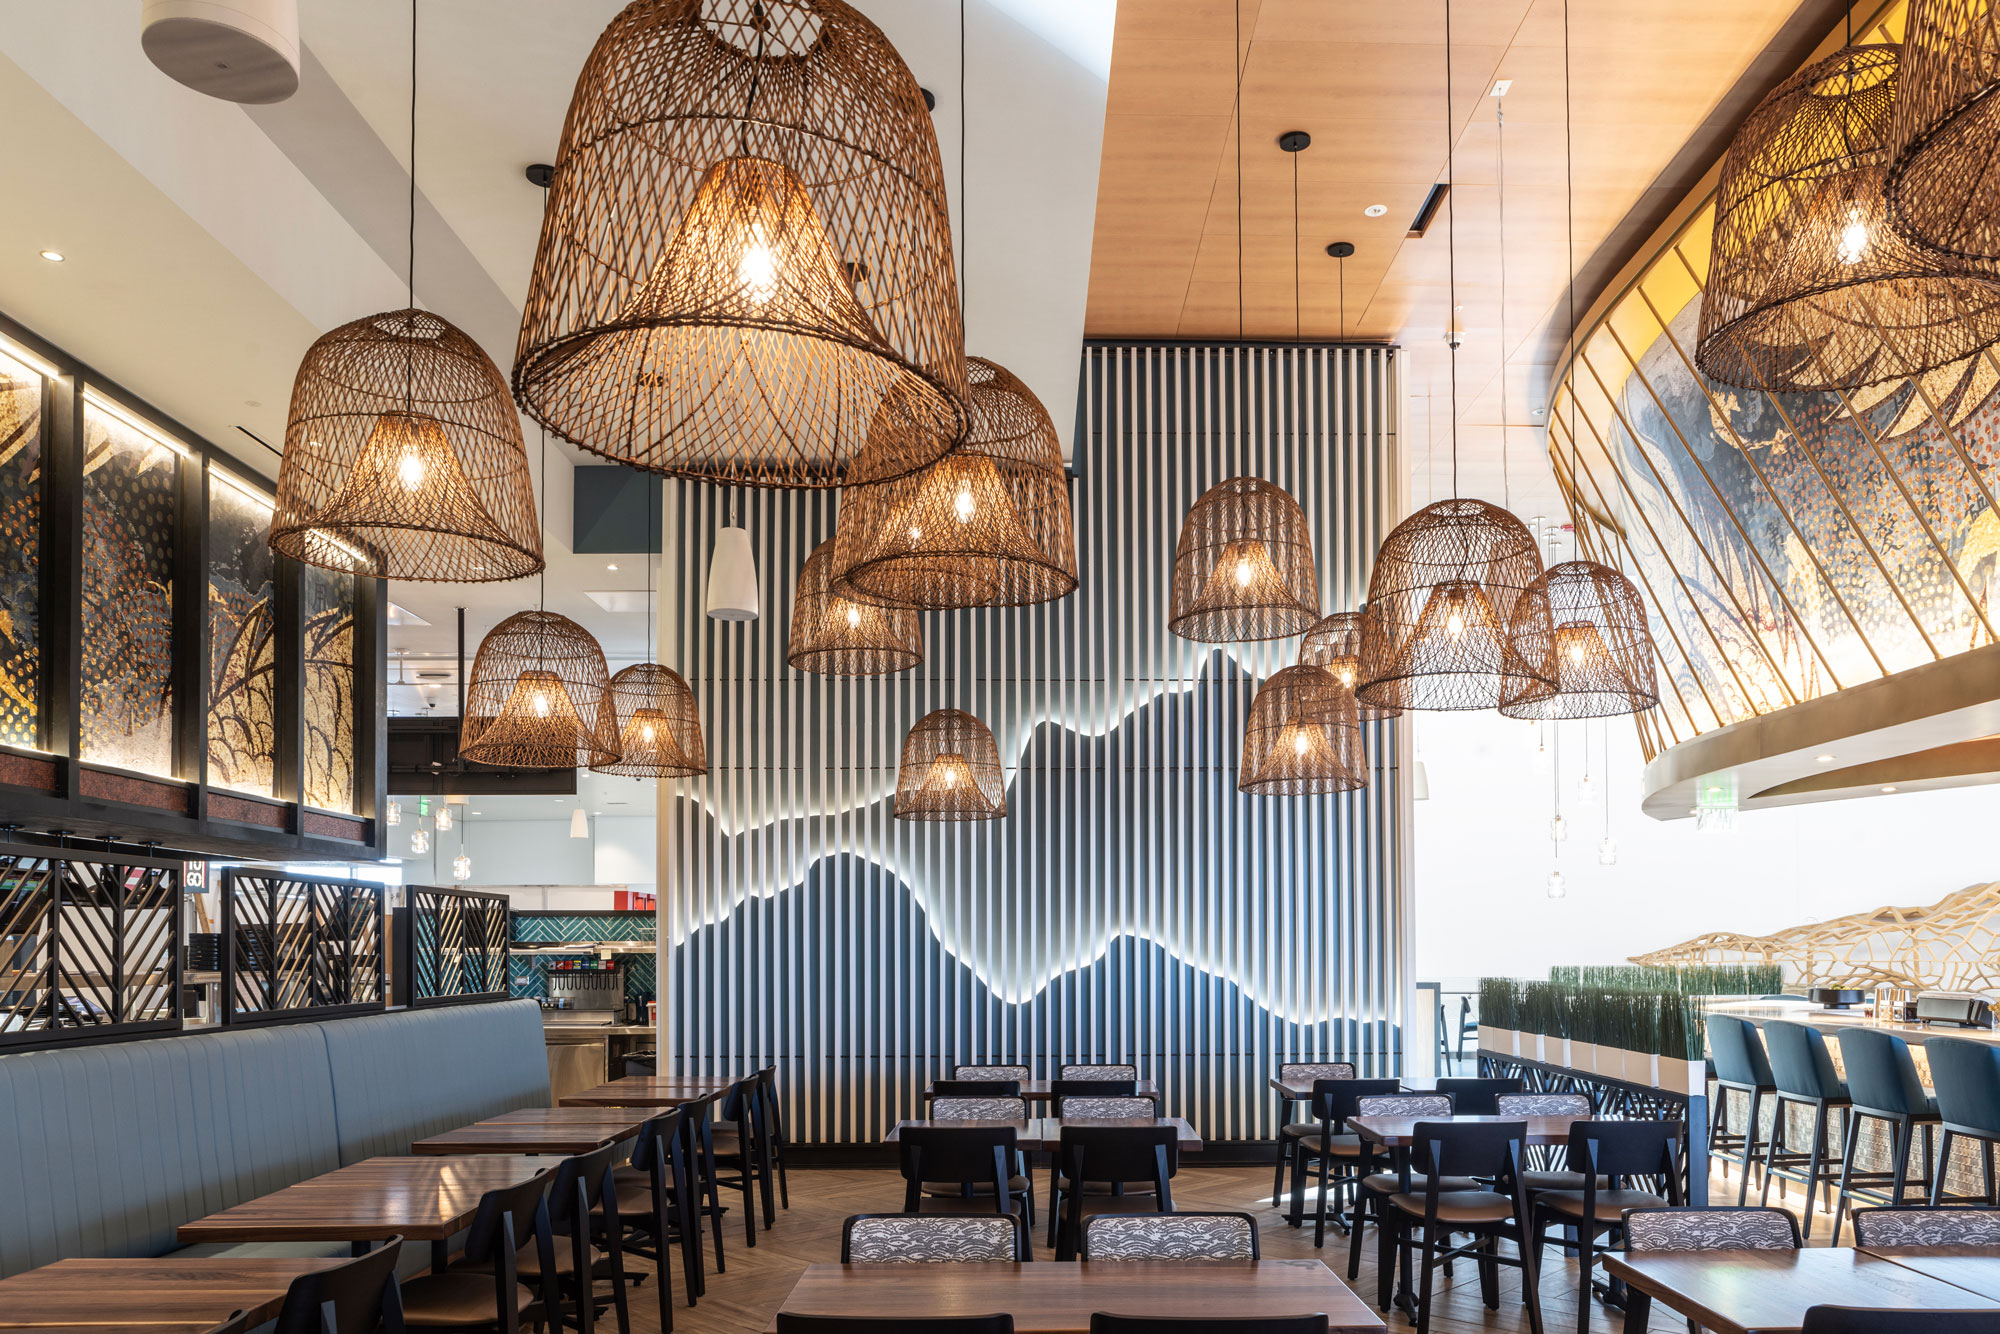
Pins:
<point x="745" y="1299"/>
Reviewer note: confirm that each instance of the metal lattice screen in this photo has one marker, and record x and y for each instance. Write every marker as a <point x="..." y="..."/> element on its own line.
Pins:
<point x="298" y="945"/>
<point x="87" y="942"/>
<point x="458" y="945"/>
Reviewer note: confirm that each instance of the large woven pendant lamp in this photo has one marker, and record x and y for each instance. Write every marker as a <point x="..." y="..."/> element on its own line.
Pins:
<point x="746" y="249"/>
<point x="1304" y="736"/>
<point x="1944" y="138"/>
<point x="652" y="709"/>
<point x="1445" y="580"/>
<point x="403" y="453"/>
<point x="1809" y="287"/>
<point x="837" y="635"/>
<point x="1335" y="644"/>
<point x="537" y="698"/>
<point x="987" y="525"/>
<point x="1243" y="568"/>
<point x="950" y="770"/>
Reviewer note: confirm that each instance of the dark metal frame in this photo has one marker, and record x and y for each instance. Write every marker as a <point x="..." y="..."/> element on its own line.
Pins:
<point x="330" y="950"/>
<point x="432" y="927"/>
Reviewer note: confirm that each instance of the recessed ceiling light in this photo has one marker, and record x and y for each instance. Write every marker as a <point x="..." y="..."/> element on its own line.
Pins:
<point x="1889" y="787"/>
<point x="1375" y="210"/>
<point x="1823" y="759"/>
<point x="611" y="567"/>
<point x="53" y="256"/>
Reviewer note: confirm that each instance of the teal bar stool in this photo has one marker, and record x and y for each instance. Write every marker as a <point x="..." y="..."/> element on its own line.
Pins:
<point x="1966" y="1077"/>
<point x="1883" y="1081"/>
<point x="1740" y="1067"/>
<point x="1803" y="1069"/>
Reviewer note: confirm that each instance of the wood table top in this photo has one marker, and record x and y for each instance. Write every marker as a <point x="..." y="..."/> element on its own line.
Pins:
<point x="422" y="1199"/>
<point x="1039" y="1133"/>
<point x="170" y="1292"/>
<point x="1059" y="1298"/>
<point x="653" y="1091"/>
<point x="1769" y="1292"/>
<point x="1397" y="1131"/>
<point x="540" y="1130"/>
<point x="1041" y="1090"/>
<point x="1974" y="1268"/>
<point x="1301" y="1090"/>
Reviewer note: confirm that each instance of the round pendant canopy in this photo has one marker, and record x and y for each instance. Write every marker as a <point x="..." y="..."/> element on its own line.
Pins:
<point x="657" y="724"/>
<point x="1809" y="287"/>
<point x="1304" y="736"/>
<point x="1440" y="601"/>
<point x="403" y="457"/>
<point x="1335" y="644"/>
<point x="1599" y="645"/>
<point x="987" y="525"/>
<point x="843" y="636"/>
<point x="746" y="250"/>
<point x="1944" y="139"/>
<point x="950" y="770"/>
<point x="1243" y="568"/>
<point x="537" y="697"/>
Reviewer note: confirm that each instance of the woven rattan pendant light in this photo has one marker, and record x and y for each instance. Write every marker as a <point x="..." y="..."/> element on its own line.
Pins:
<point x="746" y="249"/>
<point x="950" y="770"/>
<point x="1446" y="579"/>
<point x="537" y="697"/>
<point x="843" y="636"/>
<point x="1304" y="736"/>
<point x="652" y="710"/>
<point x="403" y="452"/>
<point x="1809" y="287"/>
<point x="1944" y="138"/>
<point x="1335" y="644"/>
<point x="1243" y="568"/>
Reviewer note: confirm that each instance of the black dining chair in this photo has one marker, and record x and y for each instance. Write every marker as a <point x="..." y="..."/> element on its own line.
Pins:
<point x="960" y="1169"/>
<point x="484" y="1290"/>
<point x="772" y="1127"/>
<point x="1093" y="1088"/>
<point x="975" y="1088"/>
<point x="1109" y="1169"/>
<point x="1919" y="1225"/>
<point x="1865" y="1320"/>
<point x="656" y="1203"/>
<point x="1104" y="1323"/>
<point x="583" y="1213"/>
<point x="362" y="1295"/>
<point x="1478" y="1097"/>
<point x="234" y="1323"/>
<point x="1324" y="1140"/>
<point x="737" y="1157"/>
<point x="879" y="1239"/>
<point x="882" y="1324"/>
<point x="1376" y="1178"/>
<point x="1488" y="1151"/>
<point x="1610" y="1158"/>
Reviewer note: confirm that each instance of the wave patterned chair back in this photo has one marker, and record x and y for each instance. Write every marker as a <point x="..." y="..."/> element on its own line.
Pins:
<point x="1721" y="1228"/>
<point x="979" y="1109"/>
<point x="1086" y="1109"/>
<point x="1015" y="1072"/>
<point x="1918" y="1226"/>
<point x="1217" y="1236"/>
<point x="1098" y="1072"/>
<point x="1301" y="1072"/>
<point x="1404" y="1104"/>
<point x="1542" y="1104"/>
<point x="876" y="1239"/>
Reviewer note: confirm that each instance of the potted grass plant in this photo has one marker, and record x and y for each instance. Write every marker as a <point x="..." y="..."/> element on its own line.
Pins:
<point x="1583" y="1029"/>
<point x="1545" y="1013"/>
<point x="1498" y="1016"/>
<point x="1682" y="1066"/>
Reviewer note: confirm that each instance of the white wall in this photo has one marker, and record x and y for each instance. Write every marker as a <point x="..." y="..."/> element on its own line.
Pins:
<point x="625" y="851"/>
<point x="1483" y="855"/>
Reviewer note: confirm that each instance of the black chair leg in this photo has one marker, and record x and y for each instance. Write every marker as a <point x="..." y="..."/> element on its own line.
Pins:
<point x="1815" y="1163"/>
<point x="1847" y="1147"/>
<point x="1937" y="1177"/>
<point x="1424" y="1284"/>
<point x="1638" y="1311"/>
<point x="1749" y="1143"/>
<point x="1284" y="1151"/>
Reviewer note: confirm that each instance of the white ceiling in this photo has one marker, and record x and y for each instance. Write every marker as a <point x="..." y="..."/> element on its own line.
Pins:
<point x="208" y="244"/>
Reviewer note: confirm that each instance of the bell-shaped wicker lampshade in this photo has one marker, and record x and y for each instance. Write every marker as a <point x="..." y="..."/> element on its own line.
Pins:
<point x="1944" y="136"/>
<point x="1243" y="569"/>
<point x="1809" y="287"/>
<point x="745" y="249"/>
<point x="1440" y="600"/>
<point x="1335" y="644"/>
<point x="403" y="457"/>
<point x="658" y="725"/>
<point x="843" y="636"/>
<point x="538" y="697"/>
<point x="987" y="525"/>
<point x="950" y="770"/>
<point x="1594" y="625"/>
<point x="1304" y="736"/>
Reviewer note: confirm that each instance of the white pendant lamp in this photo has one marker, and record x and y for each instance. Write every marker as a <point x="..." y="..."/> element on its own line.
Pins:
<point x="732" y="577"/>
<point x="579" y="824"/>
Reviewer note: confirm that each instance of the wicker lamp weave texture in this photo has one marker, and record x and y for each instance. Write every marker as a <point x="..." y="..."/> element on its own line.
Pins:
<point x="1243" y="568"/>
<point x="1304" y="736"/>
<point x="1335" y="644"/>
<point x="1944" y="141"/>
<point x="745" y="250"/>
<point x="843" y="636"/>
<point x="1440" y="602"/>
<point x="1602" y="648"/>
<point x="987" y="525"/>
<point x="538" y="697"/>
<point x="1809" y="287"/>
<point x="657" y="724"/>
<point x="950" y="770"/>
<point x="402" y="446"/>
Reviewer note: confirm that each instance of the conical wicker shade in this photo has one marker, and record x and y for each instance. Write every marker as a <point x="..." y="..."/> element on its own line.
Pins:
<point x="658" y="725"/>
<point x="843" y="636"/>
<point x="1809" y="287"/>
<point x="1243" y="569"/>
<point x="1439" y="604"/>
<point x="1598" y="641"/>
<point x="988" y="525"/>
<point x="950" y="770"/>
<point x="1335" y="644"/>
<point x="403" y="455"/>
<point x="538" y="697"/>
<point x="1304" y="736"/>
<point x="745" y="249"/>
<point x="1944" y="139"/>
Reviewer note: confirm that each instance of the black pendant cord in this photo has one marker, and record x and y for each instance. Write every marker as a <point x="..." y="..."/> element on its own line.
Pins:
<point x="1451" y="246"/>
<point x="964" y="198"/>
<point x="542" y="517"/>
<point x="1340" y="267"/>
<point x="1298" y="327"/>
<point x="410" y="259"/>
<point x="1500" y="174"/>
<point x="1236" y="68"/>
<point x="1569" y="212"/>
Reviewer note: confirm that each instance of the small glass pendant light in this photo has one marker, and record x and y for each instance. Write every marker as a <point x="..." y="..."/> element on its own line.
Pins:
<point x="1607" y="851"/>
<point x="443" y="819"/>
<point x="1557" y="889"/>
<point x="395" y="816"/>
<point x="420" y="842"/>
<point x="461" y="867"/>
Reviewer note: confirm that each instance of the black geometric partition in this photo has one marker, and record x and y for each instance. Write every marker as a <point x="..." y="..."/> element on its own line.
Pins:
<point x="456" y="942"/>
<point x="89" y="946"/>
<point x="298" y="947"/>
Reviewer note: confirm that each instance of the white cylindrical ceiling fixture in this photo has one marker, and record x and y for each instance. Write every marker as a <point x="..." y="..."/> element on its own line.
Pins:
<point x="1420" y="783"/>
<point x="579" y="824"/>
<point x="237" y="50"/>
<point x="732" y="577"/>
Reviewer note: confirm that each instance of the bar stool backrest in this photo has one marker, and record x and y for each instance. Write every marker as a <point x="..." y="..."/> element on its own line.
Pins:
<point x="1084" y="1109"/>
<point x="1738" y="1054"/>
<point x="1800" y="1063"/>
<point x="1542" y="1104"/>
<point x="1475" y="1097"/>
<point x="1300" y="1071"/>
<point x="1094" y="1088"/>
<point x="1966" y="1078"/>
<point x="1020" y="1072"/>
<point x="1919" y="1226"/>
<point x="1087" y="1071"/>
<point x="976" y="1088"/>
<point x="1723" y="1228"/>
<point x="1406" y="1104"/>
<point x="979" y="1109"/>
<point x="362" y="1292"/>
<point x="1880" y="1074"/>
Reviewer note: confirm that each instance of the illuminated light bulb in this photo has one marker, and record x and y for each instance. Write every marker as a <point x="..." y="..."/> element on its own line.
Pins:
<point x="1854" y="236"/>
<point x="443" y="818"/>
<point x="410" y="471"/>
<point x="1557" y="889"/>
<point x="916" y="533"/>
<point x="1558" y="829"/>
<point x="461" y="867"/>
<point x="854" y="618"/>
<point x="1454" y="624"/>
<point x="758" y="269"/>
<point x="962" y="505"/>
<point x="420" y="842"/>
<point x="646" y="733"/>
<point x="1345" y="673"/>
<point x="540" y="704"/>
<point x="1607" y="851"/>
<point x="395" y="813"/>
<point x="1301" y="744"/>
<point x="1244" y="574"/>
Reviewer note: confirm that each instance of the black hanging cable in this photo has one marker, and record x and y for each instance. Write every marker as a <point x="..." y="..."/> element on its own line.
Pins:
<point x="1236" y="68"/>
<point x="1569" y="210"/>
<point x="964" y="199"/>
<point x="411" y="270"/>
<point x="542" y="517"/>
<point x="1298" y="327"/>
<point x="1451" y="242"/>
<point x="1340" y="265"/>
<point x="1500" y="173"/>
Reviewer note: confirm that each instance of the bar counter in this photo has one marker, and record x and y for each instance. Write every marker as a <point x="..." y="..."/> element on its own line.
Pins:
<point x="1833" y="1022"/>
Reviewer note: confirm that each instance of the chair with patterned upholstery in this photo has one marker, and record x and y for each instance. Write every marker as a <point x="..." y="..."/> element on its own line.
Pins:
<point x="1624" y="1165"/>
<point x="1302" y="1072"/>
<point x="1945" y="1225"/>
<point x="1543" y="1175"/>
<point x="1478" y="1097"/>
<point x="1722" y="1228"/>
<point x="1308" y="1073"/>
<point x="1378" y="1176"/>
<point x="1219" y="1236"/>
<point x="961" y="1170"/>
<point x="1324" y="1142"/>
<point x="979" y="1109"/>
<point x="1425" y="1221"/>
<point x="1087" y="1071"/>
<point x="881" y="1239"/>
<point x="1109" y="1169"/>
<point x="1105" y="1109"/>
<point x="1020" y="1073"/>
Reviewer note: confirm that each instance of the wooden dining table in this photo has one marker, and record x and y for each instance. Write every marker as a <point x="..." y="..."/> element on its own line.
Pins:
<point x="1041" y="1090"/>
<point x="169" y="1293"/>
<point x="564" y="1130"/>
<point x="1059" y="1298"/>
<point x="1040" y="1134"/>
<point x="1769" y="1292"/>
<point x="654" y="1091"/>
<point x="1974" y="1268"/>
<point x="1398" y="1132"/>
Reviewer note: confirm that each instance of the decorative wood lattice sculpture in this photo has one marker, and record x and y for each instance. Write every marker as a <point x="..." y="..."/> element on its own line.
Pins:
<point x="1953" y="944"/>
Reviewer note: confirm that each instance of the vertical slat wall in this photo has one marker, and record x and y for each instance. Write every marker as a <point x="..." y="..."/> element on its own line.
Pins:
<point x="1132" y="905"/>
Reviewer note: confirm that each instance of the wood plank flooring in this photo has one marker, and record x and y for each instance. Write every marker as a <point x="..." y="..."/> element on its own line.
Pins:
<point x="743" y="1300"/>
